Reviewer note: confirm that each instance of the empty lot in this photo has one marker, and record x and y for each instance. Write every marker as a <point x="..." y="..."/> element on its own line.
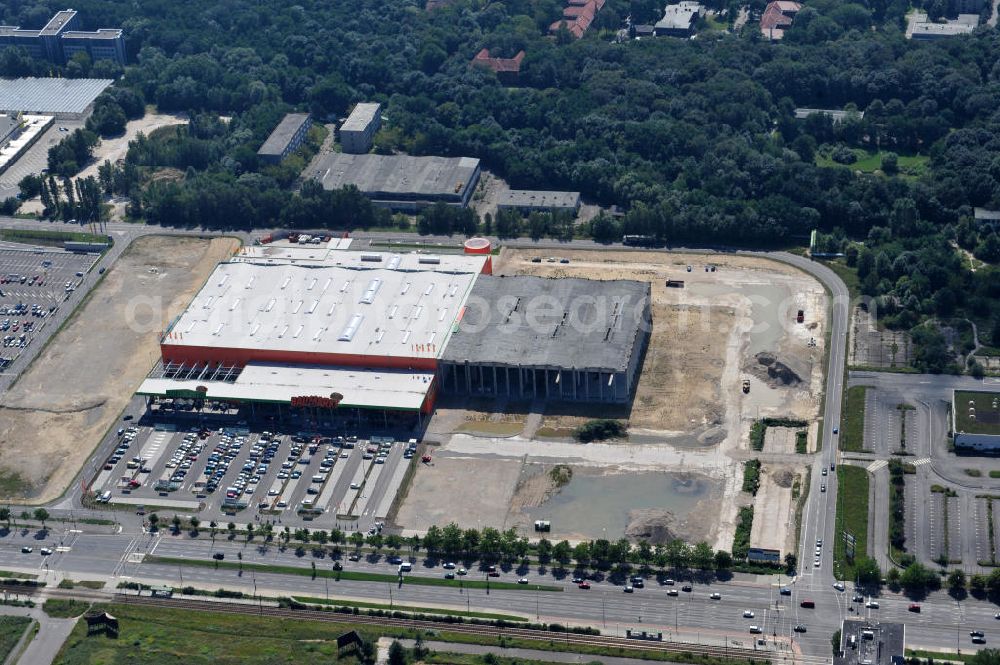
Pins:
<point x="54" y="416"/>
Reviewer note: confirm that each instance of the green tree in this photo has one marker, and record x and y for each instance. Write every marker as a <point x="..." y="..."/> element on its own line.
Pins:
<point x="397" y="654"/>
<point x="154" y="521"/>
<point x="543" y="549"/>
<point x="195" y="522"/>
<point x="956" y="579"/>
<point x="866" y="571"/>
<point x="702" y="556"/>
<point x="723" y="560"/>
<point x="562" y="552"/>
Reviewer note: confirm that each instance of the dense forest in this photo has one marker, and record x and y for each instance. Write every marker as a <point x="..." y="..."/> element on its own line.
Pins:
<point x="696" y="140"/>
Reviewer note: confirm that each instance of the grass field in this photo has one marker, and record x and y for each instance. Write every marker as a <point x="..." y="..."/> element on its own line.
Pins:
<point x="987" y="416"/>
<point x="852" y="432"/>
<point x="65" y="609"/>
<point x="852" y="515"/>
<point x="163" y="635"/>
<point x="349" y="575"/>
<point x="869" y="162"/>
<point x="48" y="237"/>
<point x="11" y="629"/>
<point x="408" y="608"/>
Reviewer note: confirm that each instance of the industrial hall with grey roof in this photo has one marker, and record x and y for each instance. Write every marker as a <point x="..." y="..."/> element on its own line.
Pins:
<point x="535" y="337"/>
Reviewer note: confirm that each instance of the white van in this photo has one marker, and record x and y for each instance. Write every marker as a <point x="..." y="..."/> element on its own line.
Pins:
<point x="105" y="497"/>
<point x="405" y="567"/>
<point x="318" y="478"/>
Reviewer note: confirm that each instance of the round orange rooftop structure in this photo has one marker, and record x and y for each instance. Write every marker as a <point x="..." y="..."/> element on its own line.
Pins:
<point x="478" y="246"/>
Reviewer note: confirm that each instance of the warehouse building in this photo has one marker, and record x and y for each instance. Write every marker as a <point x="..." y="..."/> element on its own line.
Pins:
<point x="61" y="38"/>
<point x="401" y="182"/>
<point x="286" y="138"/>
<point x="70" y="99"/>
<point x="358" y="131"/>
<point x="564" y="339"/>
<point x="975" y="422"/>
<point x="527" y="201"/>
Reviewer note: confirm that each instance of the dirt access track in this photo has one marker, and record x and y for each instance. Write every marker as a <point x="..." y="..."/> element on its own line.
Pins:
<point x="58" y="411"/>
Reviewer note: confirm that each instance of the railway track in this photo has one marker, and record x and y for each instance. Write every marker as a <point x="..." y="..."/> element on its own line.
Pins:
<point x="570" y="639"/>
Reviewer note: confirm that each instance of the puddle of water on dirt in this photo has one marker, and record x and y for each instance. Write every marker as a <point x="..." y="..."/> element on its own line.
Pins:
<point x="597" y="506"/>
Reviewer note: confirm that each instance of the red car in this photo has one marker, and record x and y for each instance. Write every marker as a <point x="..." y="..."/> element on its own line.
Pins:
<point x="914" y="608"/>
<point x="584" y="584"/>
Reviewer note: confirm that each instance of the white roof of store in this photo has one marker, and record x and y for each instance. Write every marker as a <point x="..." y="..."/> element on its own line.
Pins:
<point x="277" y="382"/>
<point x="398" y="311"/>
<point x="330" y="255"/>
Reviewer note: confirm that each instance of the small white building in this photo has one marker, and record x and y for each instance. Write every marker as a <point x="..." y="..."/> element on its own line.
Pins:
<point x="359" y="129"/>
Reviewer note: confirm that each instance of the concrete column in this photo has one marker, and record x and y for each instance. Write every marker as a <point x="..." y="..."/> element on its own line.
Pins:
<point x="586" y="385"/>
<point x="575" y="379"/>
<point x="454" y="376"/>
<point x="600" y="384"/>
<point x="468" y="379"/>
<point x="495" y="392"/>
<point x="545" y="373"/>
<point x="506" y="376"/>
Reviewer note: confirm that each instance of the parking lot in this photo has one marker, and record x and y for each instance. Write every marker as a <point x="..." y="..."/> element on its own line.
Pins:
<point x="33" y="284"/>
<point x="36" y="157"/>
<point x="235" y="474"/>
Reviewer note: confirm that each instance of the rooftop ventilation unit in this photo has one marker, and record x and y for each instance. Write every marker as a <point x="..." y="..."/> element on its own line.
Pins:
<point x="392" y="312"/>
<point x="406" y="336"/>
<point x="430" y="287"/>
<point x="283" y="331"/>
<point x="225" y="278"/>
<point x="250" y="283"/>
<point x="311" y="284"/>
<point x="373" y="258"/>
<point x="369" y="295"/>
<point x="254" y="329"/>
<point x="351" y="328"/>
<point x="429" y="259"/>
<point x="344" y="287"/>
<point x="444" y="312"/>
<point x="416" y="312"/>
<point x="406" y="287"/>
<point x="217" y="330"/>
<point x="394" y="261"/>
<point x="270" y="305"/>
<point x="285" y="283"/>
<point x="297" y="307"/>
<point x="313" y="306"/>
<point x="236" y="303"/>
<point x="319" y="333"/>
<point x="332" y="307"/>
<point x="379" y="335"/>
<point x="298" y="332"/>
<point x="329" y="280"/>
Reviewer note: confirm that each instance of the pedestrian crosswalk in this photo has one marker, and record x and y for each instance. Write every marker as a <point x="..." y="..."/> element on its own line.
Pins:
<point x="922" y="460"/>
<point x="876" y="465"/>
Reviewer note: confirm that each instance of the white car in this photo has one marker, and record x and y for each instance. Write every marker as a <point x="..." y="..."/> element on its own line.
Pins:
<point x="716" y="596"/>
<point x="747" y="614"/>
<point x="872" y="604"/>
<point x="839" y="586"/>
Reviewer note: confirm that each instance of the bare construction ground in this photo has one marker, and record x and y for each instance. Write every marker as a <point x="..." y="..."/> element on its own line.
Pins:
<point x="55" y="415"/>
<point x="774" y="509"/>
<point x="733" y="320"/>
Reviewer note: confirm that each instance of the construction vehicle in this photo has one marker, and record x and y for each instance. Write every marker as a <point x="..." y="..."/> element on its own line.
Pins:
<point x="746" y="386"/>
